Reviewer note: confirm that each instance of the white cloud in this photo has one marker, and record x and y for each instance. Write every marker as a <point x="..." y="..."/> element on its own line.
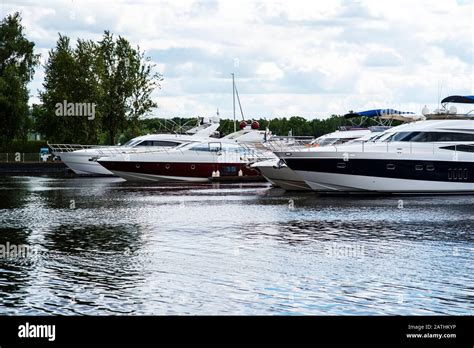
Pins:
<point x="313" y="58"/>
<point x="269" y="71"/>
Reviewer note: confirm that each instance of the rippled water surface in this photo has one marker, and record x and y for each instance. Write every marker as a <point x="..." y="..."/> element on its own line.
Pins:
<point x="105" y="246"/>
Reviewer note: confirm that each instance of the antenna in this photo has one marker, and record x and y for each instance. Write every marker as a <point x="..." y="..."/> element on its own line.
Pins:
<point x="440" y="88"/>
<point x="240" y="105"/>
<point x="233" y="100"/>
<point x="235" y="93"/>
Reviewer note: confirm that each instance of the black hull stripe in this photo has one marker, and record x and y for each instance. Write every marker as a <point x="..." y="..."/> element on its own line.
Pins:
<point x="445" y="171"/>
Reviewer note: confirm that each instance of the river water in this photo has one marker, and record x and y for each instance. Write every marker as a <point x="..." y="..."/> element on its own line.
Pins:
<point x="101" y="246"/>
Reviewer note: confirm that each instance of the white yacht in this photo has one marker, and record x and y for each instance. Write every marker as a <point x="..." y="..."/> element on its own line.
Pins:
<point x="431" y="156"/>
<point x="194" y="162"/>
<point x="277" y="172"/>
<point x="81" y="159"/>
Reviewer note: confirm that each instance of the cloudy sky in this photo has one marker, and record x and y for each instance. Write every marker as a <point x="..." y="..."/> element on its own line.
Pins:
<point x="290" y="57"/>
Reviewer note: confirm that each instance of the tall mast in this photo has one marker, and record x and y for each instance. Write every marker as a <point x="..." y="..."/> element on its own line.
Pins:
<point x="233" y="100"/>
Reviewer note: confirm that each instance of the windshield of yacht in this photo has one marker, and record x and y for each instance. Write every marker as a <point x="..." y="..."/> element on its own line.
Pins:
<point x="132" y="142"/>
<point x="218" y="147"/>
<point x="327" y="141"/>
<point x="371" y="137"/>
<point x="237" y="134"/>
<point x="330" y="141"/>
<point x="377" y="136"/>
<point x="383" y="137"/>
<point x="159" y="143"/>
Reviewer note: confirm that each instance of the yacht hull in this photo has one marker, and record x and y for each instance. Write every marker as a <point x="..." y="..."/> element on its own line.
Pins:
<point x="385" y="176"/>
<point x="333" y="183"/>
<point x="282" y="176"/>
<point x="175" y="171"/>
<point x="132" y="176"/>
<point x="81" y="164"/>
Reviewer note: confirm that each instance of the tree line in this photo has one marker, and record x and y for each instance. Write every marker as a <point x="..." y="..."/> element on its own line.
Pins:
<point x="295" y="125"/>
<point x="95" y="92"/>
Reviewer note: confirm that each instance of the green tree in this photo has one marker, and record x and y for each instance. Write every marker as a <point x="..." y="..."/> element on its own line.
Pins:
<point x="88" y="88"/>
<point x="117" y="79"/>
<point x="69" y="78"/>
<point x="17" y="63"/>
<point x="143" y="82"/>
<point x="127" y="80"/>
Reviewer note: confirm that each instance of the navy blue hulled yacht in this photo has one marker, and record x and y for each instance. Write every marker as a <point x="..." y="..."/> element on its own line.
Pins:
<point x="435" y="155"/>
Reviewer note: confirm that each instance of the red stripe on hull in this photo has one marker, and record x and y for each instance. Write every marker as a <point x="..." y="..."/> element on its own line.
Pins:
<point x="192" y="170"/>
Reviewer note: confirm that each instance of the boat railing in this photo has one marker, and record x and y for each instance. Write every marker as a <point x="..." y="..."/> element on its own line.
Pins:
<point x="256" y="152"/>
<point x="288" y="144"/>
<point x="456" y="148"/>
<point x="447" y="115"/>
<point x="107" y="150"/>
<point x="246" y="152"/>
<point x="72" y="147"/>
<point x="125" y="150"/>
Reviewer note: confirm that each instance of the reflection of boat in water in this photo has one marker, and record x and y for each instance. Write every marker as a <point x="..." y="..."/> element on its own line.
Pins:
<point x="195" y="162"/>
<point x="431" y="156"/>
<point x="81" y="159"/>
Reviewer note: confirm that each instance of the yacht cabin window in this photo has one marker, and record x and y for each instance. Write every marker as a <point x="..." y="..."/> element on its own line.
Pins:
<point x="428" y="137"/>
<point x="216" y="147"/>
<point x="161" y="143"/>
